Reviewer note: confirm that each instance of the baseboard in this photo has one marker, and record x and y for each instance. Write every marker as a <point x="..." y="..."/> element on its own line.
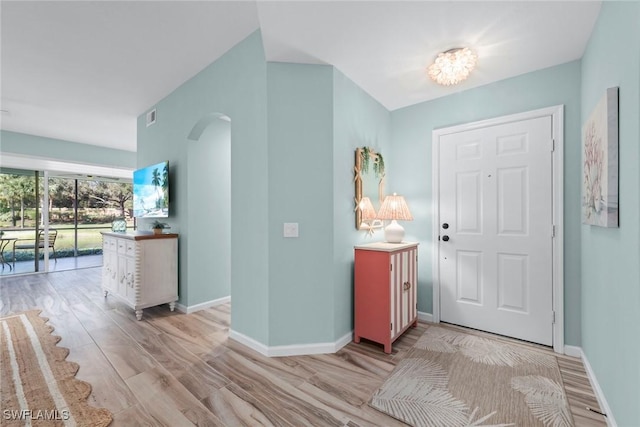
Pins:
<point x="204" y="305"/>
<point x="573" y="351"/>
<point x="249" y="342"/>
<point x="425" y="317"/>
<point x="291" y="350"/>
<point x="602" y="401"/>
<point x="346" y="339"/>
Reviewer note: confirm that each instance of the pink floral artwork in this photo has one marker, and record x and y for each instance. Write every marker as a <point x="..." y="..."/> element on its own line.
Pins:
<point x="600" y="163"/>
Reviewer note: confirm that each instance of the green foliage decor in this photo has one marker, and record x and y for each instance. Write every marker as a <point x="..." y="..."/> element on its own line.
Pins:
<point x="378" y="161"/>
<point x="157" y="225"/>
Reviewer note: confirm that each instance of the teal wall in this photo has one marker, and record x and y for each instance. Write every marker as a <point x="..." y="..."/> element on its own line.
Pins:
<point x="209" y="209"/>
<point x="358" y="121"/>
<point x="234" y="85"/>
<point x="31" y="145"/>
<point x="317" y="118"/>
<point x="610" y="256"/>
<point x="411" y="163"/>
<point x="294" y="131"/>
<point x="300" y="191"/>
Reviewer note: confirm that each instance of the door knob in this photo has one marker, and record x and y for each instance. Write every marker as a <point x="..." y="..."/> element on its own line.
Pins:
<point x="445" y="225"/>
<point x="445" y="238"/>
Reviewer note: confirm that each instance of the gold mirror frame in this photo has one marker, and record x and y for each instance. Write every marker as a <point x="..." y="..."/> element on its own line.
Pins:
<point x="376" y="164"/>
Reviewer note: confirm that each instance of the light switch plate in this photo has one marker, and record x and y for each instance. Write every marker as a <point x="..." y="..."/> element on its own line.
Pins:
<point x="290" y="229"/>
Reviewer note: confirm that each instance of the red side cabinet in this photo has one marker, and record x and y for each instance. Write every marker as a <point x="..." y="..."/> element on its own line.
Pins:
<point x="385" y="295"/>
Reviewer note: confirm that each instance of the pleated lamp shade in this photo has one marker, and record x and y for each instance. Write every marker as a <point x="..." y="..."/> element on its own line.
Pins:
<point x="366" y="207"/>
<point x="394" y="208"/>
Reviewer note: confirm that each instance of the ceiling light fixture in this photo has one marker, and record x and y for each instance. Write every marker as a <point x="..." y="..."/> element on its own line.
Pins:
<point x="453" y="66"/>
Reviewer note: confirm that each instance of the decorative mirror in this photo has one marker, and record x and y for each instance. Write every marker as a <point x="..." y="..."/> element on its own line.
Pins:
<point x="369" y="181"/>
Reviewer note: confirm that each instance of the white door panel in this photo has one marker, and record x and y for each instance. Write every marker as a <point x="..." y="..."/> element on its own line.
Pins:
<point x="496" y="199"/>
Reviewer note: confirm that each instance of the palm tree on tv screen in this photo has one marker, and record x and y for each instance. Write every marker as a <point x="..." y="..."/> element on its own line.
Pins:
<point x="155" y="180"/>
<point x="165" y="184"/>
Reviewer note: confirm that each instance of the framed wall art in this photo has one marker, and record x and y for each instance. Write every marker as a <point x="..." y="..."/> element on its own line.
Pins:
<point x="600" y="163"/>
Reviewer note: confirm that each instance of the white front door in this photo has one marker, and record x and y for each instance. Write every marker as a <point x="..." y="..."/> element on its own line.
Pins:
<point x="496" y="229"/>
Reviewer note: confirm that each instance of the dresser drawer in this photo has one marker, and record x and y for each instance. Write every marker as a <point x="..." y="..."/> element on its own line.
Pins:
<point x="109" y="244"/>
<point x="122" y="246"/>
<point x="130" y="248"/>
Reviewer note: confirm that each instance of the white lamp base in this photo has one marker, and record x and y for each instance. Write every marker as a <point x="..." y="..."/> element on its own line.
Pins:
<point x="394" y="233"/>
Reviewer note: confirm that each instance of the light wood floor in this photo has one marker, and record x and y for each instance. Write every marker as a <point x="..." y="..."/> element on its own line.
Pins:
<point x="177" y="370"/>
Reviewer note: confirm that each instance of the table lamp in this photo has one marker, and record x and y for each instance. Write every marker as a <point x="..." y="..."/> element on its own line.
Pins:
<point x="394" y="208"/>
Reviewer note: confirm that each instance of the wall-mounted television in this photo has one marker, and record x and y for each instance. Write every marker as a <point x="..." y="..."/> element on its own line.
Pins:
<point x="151" y="191"/>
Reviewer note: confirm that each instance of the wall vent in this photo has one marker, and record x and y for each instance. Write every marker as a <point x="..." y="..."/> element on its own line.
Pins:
<point x="151" y="117"/>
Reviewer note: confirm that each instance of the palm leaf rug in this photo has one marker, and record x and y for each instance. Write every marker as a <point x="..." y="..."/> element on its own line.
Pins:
<point x="37" y="385"/>
<point x="450" y="378"/>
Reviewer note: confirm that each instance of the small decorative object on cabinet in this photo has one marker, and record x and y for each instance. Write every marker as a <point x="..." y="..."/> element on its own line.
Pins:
<point x="158" y="226"/>
<point x="385" y="298"/>
<point x="140" y="269"/>
<point x="119" y="225"/>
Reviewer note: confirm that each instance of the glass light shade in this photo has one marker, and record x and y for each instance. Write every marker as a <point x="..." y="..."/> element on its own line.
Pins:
<point x="453" y="66"/>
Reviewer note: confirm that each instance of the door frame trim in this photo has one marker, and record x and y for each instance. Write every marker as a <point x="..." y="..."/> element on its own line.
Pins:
<point x="557" y="129"/>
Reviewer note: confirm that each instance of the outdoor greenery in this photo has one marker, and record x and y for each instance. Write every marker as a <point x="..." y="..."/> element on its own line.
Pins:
<point x="89" y="242"/>
<point x="99" y="203"/>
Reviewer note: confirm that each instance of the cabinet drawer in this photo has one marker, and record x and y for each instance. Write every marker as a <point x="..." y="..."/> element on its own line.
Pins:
<point x="109" y="244"/>
<point x="130" y="248"/>
<point x="122" y="246"/>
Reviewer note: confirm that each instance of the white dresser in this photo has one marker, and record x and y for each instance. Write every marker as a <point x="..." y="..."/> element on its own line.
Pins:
<point x="140" y="269"/>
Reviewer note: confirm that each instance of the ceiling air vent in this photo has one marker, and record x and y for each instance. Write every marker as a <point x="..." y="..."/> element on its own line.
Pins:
<point x="151" y="117"/>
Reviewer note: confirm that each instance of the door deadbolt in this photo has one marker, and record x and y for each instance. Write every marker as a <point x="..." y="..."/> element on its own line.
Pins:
<point x="445" y="225"/>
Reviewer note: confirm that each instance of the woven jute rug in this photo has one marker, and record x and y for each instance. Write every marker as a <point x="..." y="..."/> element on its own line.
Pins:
<point x="450" y="378"/>
<point x="38" y="386"/>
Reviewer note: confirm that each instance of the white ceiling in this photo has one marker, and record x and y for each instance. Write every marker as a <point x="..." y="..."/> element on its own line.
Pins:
<point x="84" y="70"/>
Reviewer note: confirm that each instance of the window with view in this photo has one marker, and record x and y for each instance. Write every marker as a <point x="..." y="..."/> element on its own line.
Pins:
<point x="78" y="210"/>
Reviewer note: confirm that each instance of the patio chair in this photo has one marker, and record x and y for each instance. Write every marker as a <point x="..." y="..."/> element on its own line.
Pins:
<point x="31" y="243"/>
